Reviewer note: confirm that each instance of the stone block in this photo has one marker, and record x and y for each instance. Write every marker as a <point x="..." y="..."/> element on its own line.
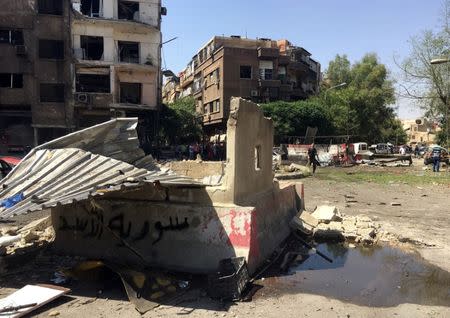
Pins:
<point x="327" y="213"/>
<point x="308" y="218"/>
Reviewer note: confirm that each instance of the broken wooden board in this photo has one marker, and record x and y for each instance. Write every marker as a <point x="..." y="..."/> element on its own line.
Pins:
<point x="38" y="295"/>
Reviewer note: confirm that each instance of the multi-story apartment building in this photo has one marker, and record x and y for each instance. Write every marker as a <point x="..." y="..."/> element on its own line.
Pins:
<point x="69" y="64"/>
<point x="35" y="80"/>
<point x="259" y="70"/>
<point x="116" y="47"/>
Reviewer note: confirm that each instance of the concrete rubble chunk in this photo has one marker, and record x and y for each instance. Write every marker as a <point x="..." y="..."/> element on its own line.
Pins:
<point x="308" y="218"/>
<point x="30" y="236"/>
<point x="299" y="224"/>
<point x="327" y="213"/>
<point x="37" y="225"/>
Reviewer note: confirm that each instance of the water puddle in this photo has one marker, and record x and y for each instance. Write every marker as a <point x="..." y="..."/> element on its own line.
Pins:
<point x="375" y="276"/>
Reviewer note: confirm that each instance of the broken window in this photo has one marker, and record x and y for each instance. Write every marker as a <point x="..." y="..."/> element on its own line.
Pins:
<point x="130" y="93"/>
<point x="246" y="71"/>
<point x="93" y="83"/>
<point x="265" y="70"/>
<point x="51" y="93"/>
<point x="92" y="47"/>
<point x="50" y="7"/>
<point x="14" y="37"/>
<point x="129" y="52"/>
<point x="128" y="10"/>
<point x="91" y="8"/>
<point x="51" y="49"/>
<point x="9" y="80"/>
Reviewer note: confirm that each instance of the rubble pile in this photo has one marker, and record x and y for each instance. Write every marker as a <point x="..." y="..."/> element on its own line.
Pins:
<point x="293" y="171"/>
<point x="36" y="233"/>
<point x="327" y="223"/>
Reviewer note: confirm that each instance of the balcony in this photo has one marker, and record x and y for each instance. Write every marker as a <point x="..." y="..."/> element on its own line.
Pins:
<point x="186" y="80"/>
<point x="268" y="53"/>
<point x="269" y="83"/>
<point x="284" y="60"/>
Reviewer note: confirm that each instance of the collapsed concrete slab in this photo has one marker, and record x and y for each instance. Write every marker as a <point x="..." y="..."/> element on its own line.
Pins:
<point x="158" y="218"/>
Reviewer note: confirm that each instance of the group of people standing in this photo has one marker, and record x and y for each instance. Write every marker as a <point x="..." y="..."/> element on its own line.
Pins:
<point x="211" y="151"/>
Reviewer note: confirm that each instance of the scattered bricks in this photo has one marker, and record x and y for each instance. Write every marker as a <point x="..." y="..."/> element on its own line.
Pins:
<point x="308" y="218"/>
<point x="327" y="213"/>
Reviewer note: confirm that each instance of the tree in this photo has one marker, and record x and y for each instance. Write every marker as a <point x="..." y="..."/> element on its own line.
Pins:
<point x="361" y="107"/>
<point x="179" y="122"/>
<point x="293" y="118"/>
<point x="429" y="84"/>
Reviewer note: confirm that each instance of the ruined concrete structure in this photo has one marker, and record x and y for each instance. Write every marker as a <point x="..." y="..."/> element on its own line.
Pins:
<point x="133" y="215"/>
<point x="69" y="64"/>
<point x="259" y="70"/>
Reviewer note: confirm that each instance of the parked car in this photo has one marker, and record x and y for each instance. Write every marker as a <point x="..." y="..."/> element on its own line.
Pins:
<point x="428" y="156"/>
<point x="382" y="148"/>
<point x="7" y="164"/>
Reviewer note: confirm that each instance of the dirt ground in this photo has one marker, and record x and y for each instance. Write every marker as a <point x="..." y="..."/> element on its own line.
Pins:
<point x="422" y="220"/>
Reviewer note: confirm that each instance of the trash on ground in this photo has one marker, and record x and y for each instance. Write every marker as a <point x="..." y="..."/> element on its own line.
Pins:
<point x="19" y="303"/>
<point x="230" y="280"/>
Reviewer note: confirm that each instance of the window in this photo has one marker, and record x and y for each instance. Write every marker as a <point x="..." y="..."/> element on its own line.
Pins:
<point x="266" y="70"/>
<point x="93" y="83"/>
<point x="205" y="109"/>
<point x="258" y="158"/>
<point x="211" y="107"/>
<point x="129" y="52"/>
<point x="50" y="7"/>
<point x="52" y="93"/>
<point x="246" y="71"/>
<point x="217" y="105"/>
<point x="14" y="37"/>
<point x="130" y="93"/>
<point x="9" y="80"/>
<point x="91" y="8"/>
<point x="128" y="10"/>
<point x="51" y="49"/>
<point x="92" y="47"/>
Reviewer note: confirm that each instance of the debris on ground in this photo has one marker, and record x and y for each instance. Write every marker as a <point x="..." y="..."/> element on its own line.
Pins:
<point x="36" y="233"/>
<point x="29" y="298"/>
<point x="327" y="223"/>
<point x="230" y="281"/>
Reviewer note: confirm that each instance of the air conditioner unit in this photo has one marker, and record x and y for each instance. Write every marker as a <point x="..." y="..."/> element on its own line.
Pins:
<point x="21" y="50"/>
<point x="254" y="93"/>
<point x="82" y="98"/>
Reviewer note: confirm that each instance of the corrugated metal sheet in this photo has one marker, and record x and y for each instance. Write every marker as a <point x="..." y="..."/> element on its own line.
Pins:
<point x="75" y="166"/>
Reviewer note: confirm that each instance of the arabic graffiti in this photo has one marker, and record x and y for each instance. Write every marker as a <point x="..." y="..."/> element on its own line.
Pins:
<point x="95" y="224"/>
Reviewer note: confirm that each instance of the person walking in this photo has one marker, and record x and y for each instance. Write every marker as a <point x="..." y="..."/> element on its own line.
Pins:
<point x="436" y="154"/>
<point x="313" y="158"/>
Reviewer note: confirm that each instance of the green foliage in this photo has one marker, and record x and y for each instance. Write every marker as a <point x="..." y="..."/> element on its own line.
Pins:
<point x="293" y="118"/>
<point x="179" y="122"/>
<point x="429" y="84"/>
<point x="361" y="107"/>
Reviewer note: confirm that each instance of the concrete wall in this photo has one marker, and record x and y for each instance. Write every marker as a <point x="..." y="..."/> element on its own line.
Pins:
<point x="195" y="169"/>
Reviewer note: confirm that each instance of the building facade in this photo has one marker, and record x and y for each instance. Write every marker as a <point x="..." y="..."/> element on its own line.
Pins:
<point x="420" y="131"/>
<point x="70" y="64"/>
<point x="260" y="70"/>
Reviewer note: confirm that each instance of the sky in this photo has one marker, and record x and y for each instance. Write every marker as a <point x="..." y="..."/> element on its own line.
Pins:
<point x="323" y="27"/>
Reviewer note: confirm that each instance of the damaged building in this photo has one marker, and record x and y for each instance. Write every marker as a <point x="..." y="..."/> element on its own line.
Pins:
<point x="66" y="65"/>
<point x="260" y="70"/>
